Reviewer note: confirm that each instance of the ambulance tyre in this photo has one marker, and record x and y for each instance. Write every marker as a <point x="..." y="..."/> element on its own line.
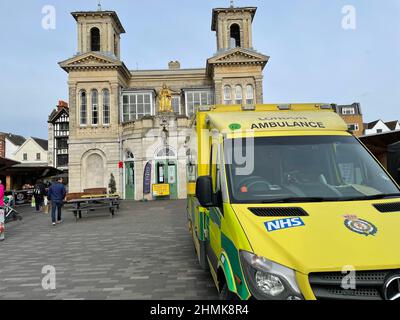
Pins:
<point x="226" y="295"/>
<point x="202" y="256"/>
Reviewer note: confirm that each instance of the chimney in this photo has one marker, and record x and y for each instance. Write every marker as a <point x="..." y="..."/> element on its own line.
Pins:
<point x="2" y="145"/>
<point x="174" y="65"/>
<point x="62" y="104"/>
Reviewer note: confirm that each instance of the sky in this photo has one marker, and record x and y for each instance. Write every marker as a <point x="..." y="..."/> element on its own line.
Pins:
<point x="313" y="58"/>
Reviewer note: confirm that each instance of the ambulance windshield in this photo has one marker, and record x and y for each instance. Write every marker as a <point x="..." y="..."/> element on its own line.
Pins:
<point x="303" y="169"/>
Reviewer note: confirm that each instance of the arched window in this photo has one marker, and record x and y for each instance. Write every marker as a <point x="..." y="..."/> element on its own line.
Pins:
<point x="165" y="152"/>
<point x="235" y="36"/>
<point x="249" y="94"/>
<point x="95" y="39"/>
<point x="227" y="95"/>
<point x="106" y="106"/>
<point x="95" y="107"/>
<point x="83" y="102"/>
<point x="238" y="94"/>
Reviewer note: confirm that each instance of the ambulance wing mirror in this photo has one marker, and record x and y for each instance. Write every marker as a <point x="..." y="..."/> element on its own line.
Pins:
<point x="204" y="192"/>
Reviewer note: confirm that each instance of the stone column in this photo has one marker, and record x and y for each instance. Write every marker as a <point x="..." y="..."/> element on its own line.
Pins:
<point x="245" y="34"/>
<point x="114" y="104"/>
<point x="220" y="38"/>
<point x="250" y="27"/>
<point x="182" y="180"/>
<point x="80" y="49"/>
<point x="226" y="35"/>
<point x="85" y="38"/>
<point x="73" y="110"/>
<point x="218" y="91"/>
<point x="259" y="91"/>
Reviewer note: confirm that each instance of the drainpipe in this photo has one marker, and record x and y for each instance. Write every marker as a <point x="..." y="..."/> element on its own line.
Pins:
<point x="121" y="154"/>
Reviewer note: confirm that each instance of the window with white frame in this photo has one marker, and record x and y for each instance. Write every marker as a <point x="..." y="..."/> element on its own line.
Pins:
<point x="348" y="111"/>
<point x="106" y="106"/>
<point x="176" y="104"/>
<point x="194" y="99"/>
<point x="238" y="94"/>
<point x="83" y="107"/>
<point x="227" y="94"/>
<point x="136" y="106"/>
<point x="249" y="94"/>
<point x="353" y="127"/>
<point x="95" y="107"/>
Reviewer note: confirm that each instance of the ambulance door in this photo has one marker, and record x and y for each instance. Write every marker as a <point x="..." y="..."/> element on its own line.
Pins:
<point x="215" y="214"/>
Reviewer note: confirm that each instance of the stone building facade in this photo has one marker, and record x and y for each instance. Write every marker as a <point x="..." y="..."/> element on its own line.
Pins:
<point x="115" y="124"/>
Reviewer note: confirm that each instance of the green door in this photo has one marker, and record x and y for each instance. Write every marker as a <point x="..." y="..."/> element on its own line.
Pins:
<point x="167" y="173"/>
<point x="130" y="181"/>
<point x="172" y="179"/>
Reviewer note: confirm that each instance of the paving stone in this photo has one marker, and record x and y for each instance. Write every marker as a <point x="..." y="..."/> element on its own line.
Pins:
<point x="145" y="252"/>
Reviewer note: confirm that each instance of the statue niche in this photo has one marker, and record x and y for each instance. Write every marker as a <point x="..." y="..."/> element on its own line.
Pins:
<point x="165" y="100"/>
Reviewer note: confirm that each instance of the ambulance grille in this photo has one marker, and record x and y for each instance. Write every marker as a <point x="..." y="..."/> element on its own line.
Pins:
<point x="369" y="285"/>
<point x="279" y="212"/>
<point x="388" y="207"/>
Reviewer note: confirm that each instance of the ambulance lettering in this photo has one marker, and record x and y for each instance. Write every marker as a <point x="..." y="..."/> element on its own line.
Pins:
<point x="284" y="224"/>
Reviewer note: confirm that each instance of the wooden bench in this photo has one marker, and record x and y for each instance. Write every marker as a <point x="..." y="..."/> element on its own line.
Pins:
<point x="92" y="200"/>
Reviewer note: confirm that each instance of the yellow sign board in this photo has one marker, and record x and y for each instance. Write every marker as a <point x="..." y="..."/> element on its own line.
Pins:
<point x="161" y="190"/>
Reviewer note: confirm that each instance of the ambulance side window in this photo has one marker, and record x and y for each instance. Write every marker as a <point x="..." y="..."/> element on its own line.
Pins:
<point x="215" y="170"/>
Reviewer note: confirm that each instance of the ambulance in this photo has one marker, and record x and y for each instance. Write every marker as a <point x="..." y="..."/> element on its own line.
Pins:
<point x="286" y="204"/>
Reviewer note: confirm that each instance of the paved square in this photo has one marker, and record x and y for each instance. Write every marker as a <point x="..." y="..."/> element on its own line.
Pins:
<point x="145" y="252"/>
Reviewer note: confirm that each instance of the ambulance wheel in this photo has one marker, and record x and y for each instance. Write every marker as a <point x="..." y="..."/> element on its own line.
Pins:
<point x="226" y="295"/>
<point x="202" y="256"/>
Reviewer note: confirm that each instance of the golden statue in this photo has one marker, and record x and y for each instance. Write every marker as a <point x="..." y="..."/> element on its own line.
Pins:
<point x="165" y="99"/>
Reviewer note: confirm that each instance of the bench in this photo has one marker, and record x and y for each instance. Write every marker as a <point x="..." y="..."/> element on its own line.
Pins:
<point x="91" y="200"/>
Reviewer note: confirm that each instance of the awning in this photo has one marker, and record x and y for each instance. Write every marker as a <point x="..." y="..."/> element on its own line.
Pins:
<point x="6" y="163"/>
<point x="380" y="142"/>
<point x="38" y="170"/>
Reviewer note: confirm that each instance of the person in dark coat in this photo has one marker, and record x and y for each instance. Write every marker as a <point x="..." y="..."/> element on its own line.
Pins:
<point x="39" y="192"/>
<point x="56" y="195"/>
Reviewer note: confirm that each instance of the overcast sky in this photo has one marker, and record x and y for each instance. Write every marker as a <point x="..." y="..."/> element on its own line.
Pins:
<point x="313" y="59"/>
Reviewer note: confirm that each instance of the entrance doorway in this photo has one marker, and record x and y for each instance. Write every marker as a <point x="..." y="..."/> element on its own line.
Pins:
<point x="167" y="174"/>
<point x="167" y="171"/>
<point x="129" y="177"/>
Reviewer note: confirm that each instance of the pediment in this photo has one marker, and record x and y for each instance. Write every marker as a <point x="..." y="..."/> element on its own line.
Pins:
<point x="238" y="55"/>
<point x="90" y="60"/>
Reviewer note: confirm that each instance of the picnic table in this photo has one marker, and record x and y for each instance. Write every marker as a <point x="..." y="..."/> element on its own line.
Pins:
<point x="90" y="203"/>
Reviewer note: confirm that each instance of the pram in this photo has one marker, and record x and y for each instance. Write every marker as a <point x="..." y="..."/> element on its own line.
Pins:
<point x="10" y="214"/>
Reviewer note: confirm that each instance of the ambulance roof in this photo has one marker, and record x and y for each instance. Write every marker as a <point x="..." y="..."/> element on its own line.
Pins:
<point x="288" y="120"/>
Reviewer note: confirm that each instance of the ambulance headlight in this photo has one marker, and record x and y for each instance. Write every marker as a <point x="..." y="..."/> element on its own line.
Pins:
<point x="269" y="284"/>
<point x="269" y="280"/>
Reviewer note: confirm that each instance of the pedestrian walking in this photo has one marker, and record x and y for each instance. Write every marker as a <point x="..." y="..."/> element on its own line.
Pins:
<point x="2" y="217"/>
<point x="39" y="193"/>
<point x="56" y="195"/>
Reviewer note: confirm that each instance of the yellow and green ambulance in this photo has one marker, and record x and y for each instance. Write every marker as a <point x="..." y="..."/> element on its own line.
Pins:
<point x="286" y="204"/>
